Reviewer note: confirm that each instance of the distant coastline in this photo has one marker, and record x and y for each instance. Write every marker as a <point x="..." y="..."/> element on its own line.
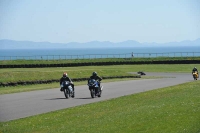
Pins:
<point x="11" y="44"/>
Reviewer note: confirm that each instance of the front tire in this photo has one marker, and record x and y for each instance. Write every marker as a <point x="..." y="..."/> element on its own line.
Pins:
<point x="100" y="91"/>
<point x="195" y="77"/>
<point x="66" y="93"/>
<point x="92" y="92"/>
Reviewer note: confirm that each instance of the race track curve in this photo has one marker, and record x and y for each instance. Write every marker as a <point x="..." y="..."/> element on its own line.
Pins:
<point x="25" y="104"/>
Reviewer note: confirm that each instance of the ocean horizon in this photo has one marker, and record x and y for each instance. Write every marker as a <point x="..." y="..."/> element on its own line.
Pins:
<point x="12" y="54"/>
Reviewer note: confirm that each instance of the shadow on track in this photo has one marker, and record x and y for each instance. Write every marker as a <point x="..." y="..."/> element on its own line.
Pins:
<point x="84" y="98"/>
<point x="55" y="99"/>
<point x="70" y="98"/>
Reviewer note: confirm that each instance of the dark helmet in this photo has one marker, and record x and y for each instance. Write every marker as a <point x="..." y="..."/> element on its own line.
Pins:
<point x="64" y="75"/>
<point x="94" y="74"/>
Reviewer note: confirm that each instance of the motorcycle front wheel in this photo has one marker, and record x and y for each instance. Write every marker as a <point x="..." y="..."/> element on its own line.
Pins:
<point x="99" y="92"/>
<point x="92" y="92"/>
<point x="66" y="93"/>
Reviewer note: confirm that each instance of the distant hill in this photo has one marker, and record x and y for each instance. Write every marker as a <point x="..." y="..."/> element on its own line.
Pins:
<point x="11" y="44"/>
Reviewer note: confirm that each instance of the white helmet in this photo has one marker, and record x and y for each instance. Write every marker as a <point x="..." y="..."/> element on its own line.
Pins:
<point x="64" y="75"/>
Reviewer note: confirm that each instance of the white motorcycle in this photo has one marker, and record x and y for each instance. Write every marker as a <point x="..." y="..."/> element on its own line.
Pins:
<point x="67" y="89"/>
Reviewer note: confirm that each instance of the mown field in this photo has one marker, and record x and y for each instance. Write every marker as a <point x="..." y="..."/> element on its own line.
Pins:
<point x="19" y="62"/>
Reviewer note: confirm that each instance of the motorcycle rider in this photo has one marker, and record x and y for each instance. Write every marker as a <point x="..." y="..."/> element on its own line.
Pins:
<point x="195" y="69"/>
<point x="66" y="78"/>
<point x="95" y="77"/>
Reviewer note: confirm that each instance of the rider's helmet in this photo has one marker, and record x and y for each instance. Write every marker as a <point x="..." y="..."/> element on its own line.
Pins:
<point x="94" y="74"/>
<point x="64" y="75"/>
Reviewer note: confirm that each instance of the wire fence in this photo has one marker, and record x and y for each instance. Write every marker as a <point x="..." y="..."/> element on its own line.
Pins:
<point x="101" y="56"/>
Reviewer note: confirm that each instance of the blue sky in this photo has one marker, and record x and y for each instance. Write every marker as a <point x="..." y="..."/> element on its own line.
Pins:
<point x="63" y="21"/>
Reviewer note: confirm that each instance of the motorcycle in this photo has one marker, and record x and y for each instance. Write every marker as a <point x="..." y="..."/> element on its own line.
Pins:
<point x="95" y="89"/>
<point x="195" y="75"/>
<point x="67" y="89"/>
<point x="141" y="73"/>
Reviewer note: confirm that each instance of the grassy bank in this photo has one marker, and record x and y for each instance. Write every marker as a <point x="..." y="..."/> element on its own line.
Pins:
<point x="31" y="74"/>
<point x="172" y="109"/>
<point x="19" y="62"/>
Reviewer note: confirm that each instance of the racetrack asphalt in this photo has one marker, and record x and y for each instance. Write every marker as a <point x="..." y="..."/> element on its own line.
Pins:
<point x="25" y="104"/>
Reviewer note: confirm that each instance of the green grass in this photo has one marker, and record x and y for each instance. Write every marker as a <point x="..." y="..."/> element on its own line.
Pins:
<point x="19" y="62"/>
<point x="172" y="109"/>
<point x="32" y="74"/>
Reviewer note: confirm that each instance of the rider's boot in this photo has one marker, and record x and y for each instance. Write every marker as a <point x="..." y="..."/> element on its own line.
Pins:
<point x="61" y="89"/>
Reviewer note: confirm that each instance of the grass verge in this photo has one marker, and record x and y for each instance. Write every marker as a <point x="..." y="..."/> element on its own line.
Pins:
<point x="61" y="61"/>
<point x="172" y="109"/>
<point x="34" y="74"/>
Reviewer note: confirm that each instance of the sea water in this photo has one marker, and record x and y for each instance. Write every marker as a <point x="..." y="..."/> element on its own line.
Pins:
<point x="13" y="54"/>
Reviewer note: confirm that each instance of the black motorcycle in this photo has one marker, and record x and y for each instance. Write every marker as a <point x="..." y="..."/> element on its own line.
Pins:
<point x="141" y="73"/>
<point x="67" y="89"/>
<point x="95" y="89"/>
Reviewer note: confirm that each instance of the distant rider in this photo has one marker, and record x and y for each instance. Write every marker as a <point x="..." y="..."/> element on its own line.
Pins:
<point x="66" y="78"/>
<point x="95" y="77"/>
<point x="195" y="70"/>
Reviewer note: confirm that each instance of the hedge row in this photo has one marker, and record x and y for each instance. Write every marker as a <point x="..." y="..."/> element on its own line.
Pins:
<point x="102" y="63"/>
<point x="57" y="80"/>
